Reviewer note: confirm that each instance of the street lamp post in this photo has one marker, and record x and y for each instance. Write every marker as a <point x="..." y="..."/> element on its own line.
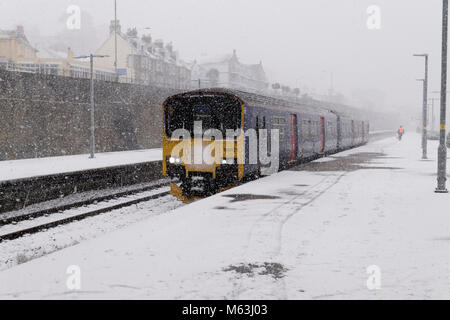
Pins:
<point x="115" y="39"/>
<point x="424" y="109"/>
<point x="442" y="151"/>
<point x="434" y="113"/>
<point x="92" y="128"/>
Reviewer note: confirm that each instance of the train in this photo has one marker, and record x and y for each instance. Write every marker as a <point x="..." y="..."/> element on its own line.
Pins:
<point x="305" y="130"/>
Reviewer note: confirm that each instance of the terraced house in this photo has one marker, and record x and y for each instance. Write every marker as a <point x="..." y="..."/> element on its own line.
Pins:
<point x="142" y="60"/>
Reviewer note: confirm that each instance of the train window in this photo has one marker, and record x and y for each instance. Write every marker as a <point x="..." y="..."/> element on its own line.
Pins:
<point x="217" y="112"/>
<point x="305" y="129"/>
<point x="329" y="128"/>
<point x="203" y="114"/>
<point x="280" y="124"/>
<point x="316" y="129"/>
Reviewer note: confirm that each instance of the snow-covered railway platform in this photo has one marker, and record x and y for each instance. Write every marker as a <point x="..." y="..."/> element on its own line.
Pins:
<point x="361" y="224"/>
<point x="30" y="181"/>
<point x="31" y="168"/>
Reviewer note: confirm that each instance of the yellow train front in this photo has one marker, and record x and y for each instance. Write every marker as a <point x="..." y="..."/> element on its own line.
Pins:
<point x="196" y="150"/>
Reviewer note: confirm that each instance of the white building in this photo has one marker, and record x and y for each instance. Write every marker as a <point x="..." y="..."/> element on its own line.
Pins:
<point x="229" y="72"/>
<point x="142" y="60"/>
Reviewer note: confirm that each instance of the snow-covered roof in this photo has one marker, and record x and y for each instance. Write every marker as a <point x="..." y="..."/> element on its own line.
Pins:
<point x="47" y="53"/>
<point x="17" y="34"/>
<point x="249" y="98"/>
<point x="153" y="49"/>
<point x="213" y="59"/>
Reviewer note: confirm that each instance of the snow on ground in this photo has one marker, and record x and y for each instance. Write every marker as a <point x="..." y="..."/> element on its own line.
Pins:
<point x="18" y="251"/>
<point x="20" y="169"/>
<point x="75" y="198"/>
<point x="307" y="233"/>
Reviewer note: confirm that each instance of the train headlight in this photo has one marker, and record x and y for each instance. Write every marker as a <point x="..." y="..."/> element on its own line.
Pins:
<point x="227" y="161"/>
<point x="174" y="160"/>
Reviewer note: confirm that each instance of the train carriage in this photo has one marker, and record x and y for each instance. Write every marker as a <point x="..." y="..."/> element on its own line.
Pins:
<point x="305" y="131"/>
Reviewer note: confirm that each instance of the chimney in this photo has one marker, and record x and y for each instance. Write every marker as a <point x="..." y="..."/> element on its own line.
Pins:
<point x="20" y="32"/>
<point x="113" y="26"/>
<point x="69" y="54"/>
<point x="132" y="33"/>
<point x="234" y="57"/>
<point x="169" y="47"/>
<point x="147" y="38"/>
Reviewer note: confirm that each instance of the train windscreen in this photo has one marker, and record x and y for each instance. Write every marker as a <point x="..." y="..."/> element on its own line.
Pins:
<point x="215" y="112"/>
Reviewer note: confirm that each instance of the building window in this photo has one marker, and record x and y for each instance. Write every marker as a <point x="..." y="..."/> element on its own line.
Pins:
<point x="50" y="69"/>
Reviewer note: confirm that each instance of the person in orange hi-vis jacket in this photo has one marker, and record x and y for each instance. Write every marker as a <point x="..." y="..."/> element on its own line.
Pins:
<point x="400" y="132"/>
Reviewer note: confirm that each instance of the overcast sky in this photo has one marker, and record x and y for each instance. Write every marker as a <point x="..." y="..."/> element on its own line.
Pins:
<point x="300" y="42"/>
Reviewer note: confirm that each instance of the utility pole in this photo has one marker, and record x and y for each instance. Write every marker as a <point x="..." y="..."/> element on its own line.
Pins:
<point x="92" y="138"/>
<point x="424" y="108"/>
<point x="433" y="118"/>
<point x="115" y="39"/>
<point x="442" y="151"/>
<point x="92" y="127"/>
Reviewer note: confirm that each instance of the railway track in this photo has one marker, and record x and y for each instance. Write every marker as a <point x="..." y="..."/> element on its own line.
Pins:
<point x="99" y="206"/>
<point x="6" y="220"/>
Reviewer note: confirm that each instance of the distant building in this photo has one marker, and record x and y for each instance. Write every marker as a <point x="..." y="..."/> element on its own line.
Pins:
<point x="14" y="46"/>
<point x="229" y="72"/>
<point x="17" y="54"/>
<point x="144" y="61"/>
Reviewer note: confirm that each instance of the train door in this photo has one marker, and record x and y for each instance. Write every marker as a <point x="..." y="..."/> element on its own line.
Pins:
<point x="322" y="135"/>
<point x="363" y="132"/>
<point x="294" y="137"/>
<point x="257" y="127"/>
<point x="251" y="148"/>
<point x="339" y="132"/>
<point x="353" y="132"/>
<point x="266" y="126"/>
